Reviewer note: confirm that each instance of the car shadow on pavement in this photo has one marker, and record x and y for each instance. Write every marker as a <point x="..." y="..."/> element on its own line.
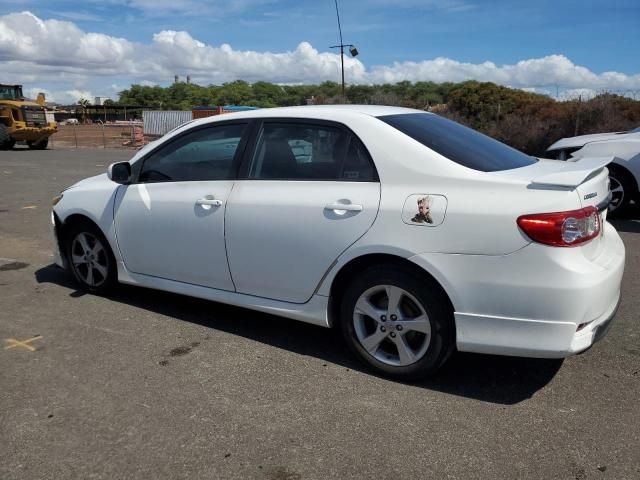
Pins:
<point x="490" y="378"/>
<point x="629" y="220"/>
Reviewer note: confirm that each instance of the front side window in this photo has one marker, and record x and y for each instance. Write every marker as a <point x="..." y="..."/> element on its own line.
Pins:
<point x="205" y="154"/>
<point x="458" y="143"/>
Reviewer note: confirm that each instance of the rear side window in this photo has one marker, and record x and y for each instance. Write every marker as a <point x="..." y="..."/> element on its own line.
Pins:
<point x="357" y="163"/>
<point x="459" y="143"/>
<point x="299" y="151"/>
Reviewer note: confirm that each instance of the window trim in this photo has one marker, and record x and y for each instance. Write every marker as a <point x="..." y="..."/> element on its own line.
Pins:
<point x="138" y="166"/>
<point x="245" y="167"/>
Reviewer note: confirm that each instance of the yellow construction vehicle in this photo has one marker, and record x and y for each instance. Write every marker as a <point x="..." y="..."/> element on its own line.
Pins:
<point x="22" y="120"/>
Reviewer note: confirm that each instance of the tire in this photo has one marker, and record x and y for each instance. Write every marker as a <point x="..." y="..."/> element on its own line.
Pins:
<point x="90" y="258"/>
<point x="6" y="142"/>
<point x="396" y="347"/>
<point x="41" y="144"/>
<point x="622" y="191"/>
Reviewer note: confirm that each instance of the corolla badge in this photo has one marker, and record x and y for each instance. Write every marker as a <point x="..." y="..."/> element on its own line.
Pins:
<point x="590" y="195"/>
<point x="424" y="209"/>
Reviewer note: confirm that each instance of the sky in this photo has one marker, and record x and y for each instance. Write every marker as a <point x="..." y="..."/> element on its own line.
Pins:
<point x="73" y="49"/>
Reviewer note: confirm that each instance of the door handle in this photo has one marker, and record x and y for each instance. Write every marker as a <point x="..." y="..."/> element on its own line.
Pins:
<point x="209" y="201"/>
<point x="349" y="207"/>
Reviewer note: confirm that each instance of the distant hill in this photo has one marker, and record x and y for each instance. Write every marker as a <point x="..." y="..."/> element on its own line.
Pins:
<point x="527" y="121"/>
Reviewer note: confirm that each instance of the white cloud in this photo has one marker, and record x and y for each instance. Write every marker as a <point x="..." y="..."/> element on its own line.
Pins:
<point x="547" y="71"/>
<point x="180" y="53"/>
<point x="36" y="51"/>
<point x="65" y="97"/>
<point x="25" y="37"/>
<point x="578" y="93"/>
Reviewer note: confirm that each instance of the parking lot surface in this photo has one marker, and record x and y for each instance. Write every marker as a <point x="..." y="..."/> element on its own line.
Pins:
<point x="145" y="384"/>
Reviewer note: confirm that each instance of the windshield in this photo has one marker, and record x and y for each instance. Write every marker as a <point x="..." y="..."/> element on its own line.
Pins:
<point x="10" y="92"/>
<point x="459" y="143"/>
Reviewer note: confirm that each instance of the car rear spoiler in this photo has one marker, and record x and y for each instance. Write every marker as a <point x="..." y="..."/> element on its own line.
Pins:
<point x="573" y="173"/>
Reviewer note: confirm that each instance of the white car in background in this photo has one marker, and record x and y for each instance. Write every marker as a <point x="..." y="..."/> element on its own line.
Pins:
<point x="412" y="234"/>
<point x="624" y="169"/>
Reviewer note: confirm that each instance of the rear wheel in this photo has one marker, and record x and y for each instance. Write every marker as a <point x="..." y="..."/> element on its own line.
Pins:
<point x="622" y="190"/>
<point x="397" y="323"/>
<point x="90" y="258"/>
<point x="6" y="142"/>
<point x="41" y="144"/>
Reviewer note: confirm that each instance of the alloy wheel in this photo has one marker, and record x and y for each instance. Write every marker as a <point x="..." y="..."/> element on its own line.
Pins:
<point x="617" y="194"/>
<point x="89" y="258"/>
<point x="392" y="325"/>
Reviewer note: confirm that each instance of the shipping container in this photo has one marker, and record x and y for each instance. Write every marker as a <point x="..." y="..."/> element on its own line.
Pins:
<point x="161" y="122"/>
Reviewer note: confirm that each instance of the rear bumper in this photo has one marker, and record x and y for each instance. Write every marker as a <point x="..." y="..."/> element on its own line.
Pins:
<point x="529" y="338"/>
<point x="538" y="302"/>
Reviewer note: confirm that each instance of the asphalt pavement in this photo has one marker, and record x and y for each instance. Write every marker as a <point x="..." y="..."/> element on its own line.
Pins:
<point x="149" y="385"/>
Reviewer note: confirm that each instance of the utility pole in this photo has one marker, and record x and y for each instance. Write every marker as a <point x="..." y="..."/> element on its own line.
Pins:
<point x="575" y="134"/>
<point x="352" y="49"/>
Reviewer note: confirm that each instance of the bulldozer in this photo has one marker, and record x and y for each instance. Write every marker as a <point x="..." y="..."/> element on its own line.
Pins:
<point x="22" y="120"/>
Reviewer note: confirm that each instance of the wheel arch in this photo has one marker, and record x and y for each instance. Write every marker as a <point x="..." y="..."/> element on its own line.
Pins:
<point x="619" y="166"/>
<point x="74" y="219"/>
<point x="350" y="269"/>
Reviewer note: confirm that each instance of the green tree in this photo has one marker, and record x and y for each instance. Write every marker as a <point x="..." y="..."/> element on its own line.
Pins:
<point x="237" y="92"/>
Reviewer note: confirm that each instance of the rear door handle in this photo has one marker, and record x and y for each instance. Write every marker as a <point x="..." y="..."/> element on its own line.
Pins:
<point x="349" y="207"/>
<point x="209" y="201"/>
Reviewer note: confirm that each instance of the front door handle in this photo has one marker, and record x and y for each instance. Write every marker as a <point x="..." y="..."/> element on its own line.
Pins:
<point x="209" y="201"/>
<point x="348" y="207"/>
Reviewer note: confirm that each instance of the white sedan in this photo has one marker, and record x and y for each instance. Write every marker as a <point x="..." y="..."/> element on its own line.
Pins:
<point x="412" y="234"/>
<point x="623" y="148"/>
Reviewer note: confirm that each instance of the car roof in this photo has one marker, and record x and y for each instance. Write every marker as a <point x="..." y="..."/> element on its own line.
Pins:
<point x="319" y="112"/>
<point x="315" y="111"/>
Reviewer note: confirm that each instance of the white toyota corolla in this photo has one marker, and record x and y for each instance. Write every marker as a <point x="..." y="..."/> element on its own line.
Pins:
<point x="411" y="233"/>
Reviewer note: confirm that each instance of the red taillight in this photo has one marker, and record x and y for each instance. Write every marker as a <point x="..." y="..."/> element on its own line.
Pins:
<point x="562" y="229"/>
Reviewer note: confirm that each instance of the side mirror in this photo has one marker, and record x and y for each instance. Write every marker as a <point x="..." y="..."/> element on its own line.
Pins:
<point x="120" y="172"/>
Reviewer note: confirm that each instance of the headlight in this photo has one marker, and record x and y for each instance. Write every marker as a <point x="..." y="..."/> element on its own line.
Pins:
<point x="56" y="199"/>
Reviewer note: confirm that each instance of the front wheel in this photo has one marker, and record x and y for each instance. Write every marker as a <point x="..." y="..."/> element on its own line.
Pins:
<point x="397" y="322"/>
<point x="90" y="258"/>
<point x="6" y="142"/>
<point x="41" y="144"/>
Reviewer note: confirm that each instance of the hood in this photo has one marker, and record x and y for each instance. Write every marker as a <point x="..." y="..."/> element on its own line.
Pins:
<point x="91" y="181"/>
<point x="579" y="141"/>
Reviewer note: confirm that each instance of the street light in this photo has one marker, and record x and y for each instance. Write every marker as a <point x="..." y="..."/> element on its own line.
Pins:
<point x="352" y="50"/>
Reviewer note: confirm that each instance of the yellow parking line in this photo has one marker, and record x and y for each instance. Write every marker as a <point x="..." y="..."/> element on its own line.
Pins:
<point x="23" y="344"/>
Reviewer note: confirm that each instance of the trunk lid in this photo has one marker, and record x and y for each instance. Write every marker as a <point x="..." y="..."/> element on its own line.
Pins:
<point x="587" y="177"/>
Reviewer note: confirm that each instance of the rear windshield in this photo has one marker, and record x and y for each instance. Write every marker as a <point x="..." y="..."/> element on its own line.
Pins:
<point x="459" y="143"/>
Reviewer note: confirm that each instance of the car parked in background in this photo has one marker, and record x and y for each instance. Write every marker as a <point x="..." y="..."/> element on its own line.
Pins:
<point x="624" y="168"/>
<point x="412" y="234"/>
